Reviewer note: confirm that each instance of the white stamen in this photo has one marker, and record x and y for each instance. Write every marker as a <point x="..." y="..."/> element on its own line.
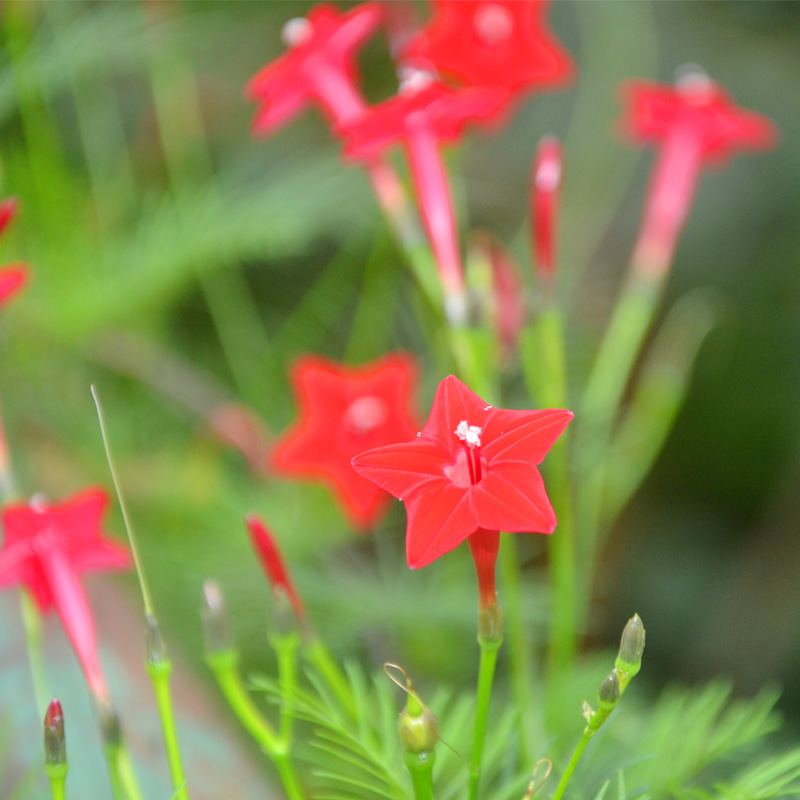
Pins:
<point x="471" y="434"/>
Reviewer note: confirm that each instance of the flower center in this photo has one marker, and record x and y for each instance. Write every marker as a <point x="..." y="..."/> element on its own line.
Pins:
<point x="493" y="23"/>
<point x="365" y="414"/>
<point x="296" y="32"/>
<point x="470" y="436"/>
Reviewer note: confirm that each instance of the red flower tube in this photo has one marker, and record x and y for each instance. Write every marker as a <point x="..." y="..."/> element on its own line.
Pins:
<point x="46" y="548"/>
<point x="471" y="470"/>
<point x="422" y="117"/>
<point x="343" y="411"/>
<point x="693" y="124"/>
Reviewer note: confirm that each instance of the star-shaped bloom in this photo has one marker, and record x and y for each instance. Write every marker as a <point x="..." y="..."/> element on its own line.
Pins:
<point x="422" y="117"/>
<point x="342" y="412"/>
<point x="504" y="44"/>
<point x="693" y="124"/>
<point x="319" y="66"/>
<point x="47" y="548"/>
<point x="472" y="468"/>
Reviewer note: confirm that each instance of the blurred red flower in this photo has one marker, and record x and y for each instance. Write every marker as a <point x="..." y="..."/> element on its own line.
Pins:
<point x="504" y="44"/>
<point x="318" y="66"/>
<point x="471" y="469"/>
<point x="46" y="548"/>
<point x="693" y="123"/>
<point x="342" y="412"/>
<point x="13" y="277"/>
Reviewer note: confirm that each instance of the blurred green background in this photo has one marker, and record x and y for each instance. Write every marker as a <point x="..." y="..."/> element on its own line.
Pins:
<point x="179" y="264"/>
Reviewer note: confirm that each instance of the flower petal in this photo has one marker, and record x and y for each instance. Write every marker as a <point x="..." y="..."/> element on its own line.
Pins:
<point x="523" y="435"/>
<point x="514" y="499"/>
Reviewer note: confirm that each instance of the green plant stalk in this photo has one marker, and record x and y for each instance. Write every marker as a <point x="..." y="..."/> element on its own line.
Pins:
<point x="223" y="665"/>
<point x="519" y="649"/>
<point x="489" y="650"/>
<point x="57" y="775"/>
<point x="286" y="647"/>
<point x="159" y="676"/>
<point x="610" y="374"/>
<point x="318" y="655"/>
<point x="120" y="773"/>
<point x="420" y="768"/>
<point x="32" y="622"/>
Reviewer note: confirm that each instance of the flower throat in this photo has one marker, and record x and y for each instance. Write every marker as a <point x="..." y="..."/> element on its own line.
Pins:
<point x="470" y="436"/>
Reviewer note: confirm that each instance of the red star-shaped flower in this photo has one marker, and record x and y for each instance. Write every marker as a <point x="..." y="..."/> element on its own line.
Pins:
<point x="471" y="469"/>
<point x="13" y="277"/>
<point x="692" y="123"/>
<point x="319" y="66"/>
<point x="47" y="548"/>
<point x="342" y="412"/>
<point x="422" y="117"/>
<point x="504" y="44"/>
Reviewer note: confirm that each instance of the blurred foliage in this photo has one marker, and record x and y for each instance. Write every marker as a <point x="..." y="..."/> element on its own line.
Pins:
<point x="165" y="241"/>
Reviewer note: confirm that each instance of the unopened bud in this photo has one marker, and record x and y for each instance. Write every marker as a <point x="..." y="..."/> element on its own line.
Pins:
<point x="629" y="659"/>
<point x="418" y="733"/>
<point x="55" y="745"/>
<point x="609" y="692"/>
<point x="215" y="620"/>
<point x="154" y="644"/>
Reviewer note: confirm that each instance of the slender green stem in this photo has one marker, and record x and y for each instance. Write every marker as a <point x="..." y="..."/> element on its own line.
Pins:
<point x="316" y="652"/>
<point x="420" y="768"/>
<point x="159" y="675"/>
<point x="57" y="775"/>
<point x="32" y="622"/>
<point x="519" y="646"/>
<point x="573" y="762"/>
<point x="223" y="665"/>
<point x="489" y="650"/>
<point x="114" y="772"/>
<point x="286" y="647"/>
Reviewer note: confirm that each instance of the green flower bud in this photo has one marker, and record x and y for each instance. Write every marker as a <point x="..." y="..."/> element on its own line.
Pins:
<point x="418" y="733"/>
<point x="609" y="692"/>
<point x="629" y="659"/>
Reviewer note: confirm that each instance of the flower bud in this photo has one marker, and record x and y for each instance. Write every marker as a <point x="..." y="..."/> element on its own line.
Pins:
<point x="418" y="733"/>
<point x="55" y="745"/>
<point x="215" y="620"/>
<point x="609" y="692"/>
<point x="631" y="647"/>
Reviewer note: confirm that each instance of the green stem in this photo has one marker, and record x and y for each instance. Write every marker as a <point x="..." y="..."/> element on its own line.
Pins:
<point x="223" y="665"/>
<point x="32" y="622"/>
<point x="316" y="652"/>
<point x="610" y="375"/>
<point x="420" y="768"/>
<point x="57" y="775"/>
<point x="286" y="646"/>
<point x="126" y="774"/>
<point x="159" y="675"/>
<point x="489" y="650"/>
<point x="573" y="762"/>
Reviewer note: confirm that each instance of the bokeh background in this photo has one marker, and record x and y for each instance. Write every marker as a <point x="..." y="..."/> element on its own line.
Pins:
<point x="180" y="265"/>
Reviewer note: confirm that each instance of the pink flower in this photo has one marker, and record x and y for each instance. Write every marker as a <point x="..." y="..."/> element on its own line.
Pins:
<point x="423" y="117"/>
<point x="47" y="548"/>
<point x="693" y="124"/>
<point x="273" y="564"/>
<point x="318" y="66"/>
<point x="504" y="44"/>
<point x="342" y="412"/>
<point x="472" y="468"/>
